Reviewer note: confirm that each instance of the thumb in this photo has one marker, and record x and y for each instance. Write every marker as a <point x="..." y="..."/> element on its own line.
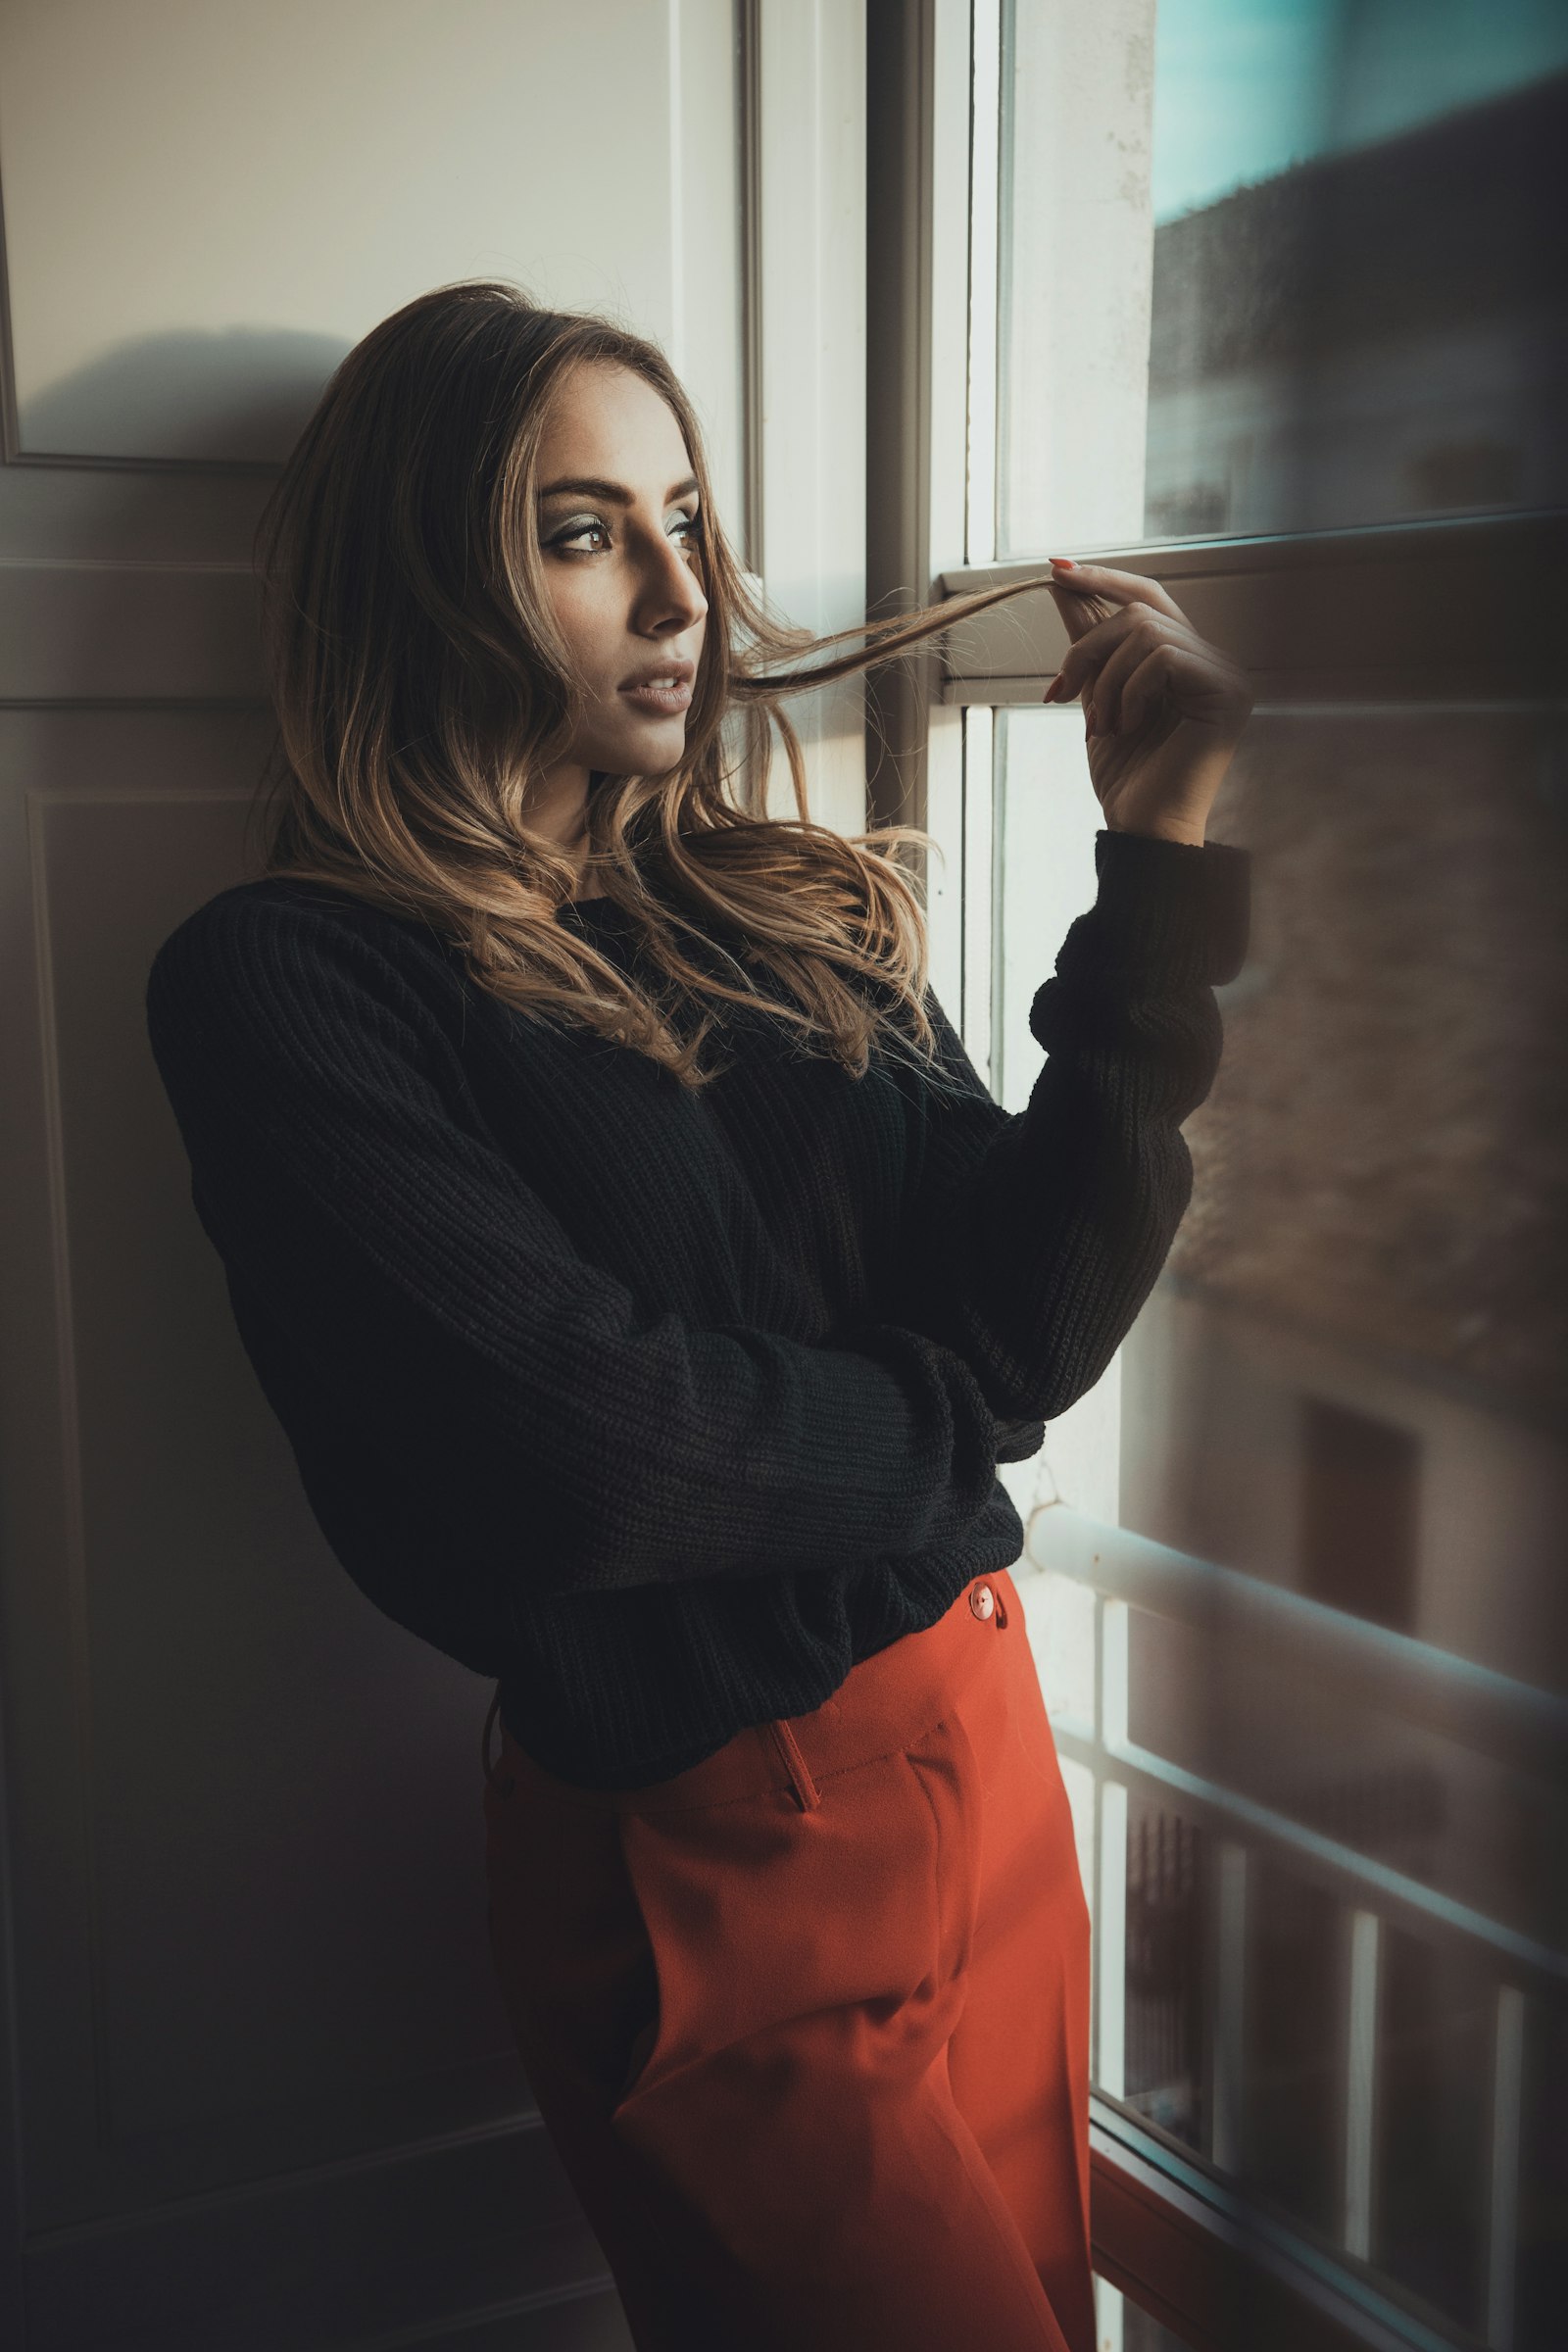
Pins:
<point x="1078" y="608"/>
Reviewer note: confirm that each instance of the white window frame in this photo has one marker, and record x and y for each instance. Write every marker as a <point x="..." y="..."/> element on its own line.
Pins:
<point x="1439" y="615"/>
<point x="803" y="134"/>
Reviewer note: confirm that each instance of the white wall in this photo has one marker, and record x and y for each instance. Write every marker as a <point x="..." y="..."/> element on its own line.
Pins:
<point x="257" y="2076"/>
<point x="208" y="202"/>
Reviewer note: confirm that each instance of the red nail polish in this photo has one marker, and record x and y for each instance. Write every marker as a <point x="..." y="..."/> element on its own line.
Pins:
<point x="1061" y="563"/>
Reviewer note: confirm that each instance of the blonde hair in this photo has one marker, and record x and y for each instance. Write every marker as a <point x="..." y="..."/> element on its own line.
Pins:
<point x="419" y="682"/>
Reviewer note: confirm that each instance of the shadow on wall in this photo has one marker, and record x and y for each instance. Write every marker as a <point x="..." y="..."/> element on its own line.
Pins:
<point x="237" y="398"/>
<point x="164" y="606"/>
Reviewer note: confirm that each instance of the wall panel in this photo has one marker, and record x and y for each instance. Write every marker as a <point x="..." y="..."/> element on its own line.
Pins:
<point x="256" y="2070"/>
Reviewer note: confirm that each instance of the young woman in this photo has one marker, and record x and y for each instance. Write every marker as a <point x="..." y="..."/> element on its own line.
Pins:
<point x="650" y="1286"/>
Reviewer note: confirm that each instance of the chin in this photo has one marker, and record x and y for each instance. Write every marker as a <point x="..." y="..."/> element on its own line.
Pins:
<point x="655" y="744"/>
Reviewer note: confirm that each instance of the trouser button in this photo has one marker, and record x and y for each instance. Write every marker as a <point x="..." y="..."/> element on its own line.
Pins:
<point x="982" y="1599"/>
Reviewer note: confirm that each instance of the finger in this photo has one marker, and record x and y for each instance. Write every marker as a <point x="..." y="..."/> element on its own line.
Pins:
<point x="1094" y="640"/>
<point x="1084" y="659"/>
<point x="1143" y="693"/>
<point x="1079" y="610"/>
<point x="1130" y="654"/>
<point x="1116" y="587"/>
<point x="1190" y="682"/>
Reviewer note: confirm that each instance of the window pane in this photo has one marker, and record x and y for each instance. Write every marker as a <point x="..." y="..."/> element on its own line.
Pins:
<point x="1141" y="2333"/>
<point x="1170" y="1866"/>
<point x="1276" y="268"/>
<point x="1291" y="2081"/>
<point x="1124" y="2327"/>
<point x="1330" y="1971"/>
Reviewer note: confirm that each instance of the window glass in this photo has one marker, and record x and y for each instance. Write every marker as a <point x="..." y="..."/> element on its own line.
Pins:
<point x="1274" y="266"/>
<point x="1130" y="2329"/>
<point x="1329" y="1922"/>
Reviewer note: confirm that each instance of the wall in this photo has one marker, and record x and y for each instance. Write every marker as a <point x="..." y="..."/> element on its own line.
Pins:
<point x="257" y="2085"/>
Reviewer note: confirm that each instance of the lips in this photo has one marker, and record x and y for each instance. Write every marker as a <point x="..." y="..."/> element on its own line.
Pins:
<point x="665" y="701"/>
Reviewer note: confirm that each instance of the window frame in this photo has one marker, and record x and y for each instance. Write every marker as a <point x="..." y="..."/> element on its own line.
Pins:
<point x="1440" y="614"/>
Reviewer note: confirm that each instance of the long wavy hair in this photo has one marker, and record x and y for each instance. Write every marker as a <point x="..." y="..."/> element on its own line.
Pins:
<point x="419" y="685"/>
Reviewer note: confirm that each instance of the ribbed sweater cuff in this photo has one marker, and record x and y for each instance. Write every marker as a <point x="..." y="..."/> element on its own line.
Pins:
<point x="1169" y="911"/>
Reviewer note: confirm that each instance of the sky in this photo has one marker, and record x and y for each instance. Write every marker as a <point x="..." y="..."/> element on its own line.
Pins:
<point x="1245" y="87"/>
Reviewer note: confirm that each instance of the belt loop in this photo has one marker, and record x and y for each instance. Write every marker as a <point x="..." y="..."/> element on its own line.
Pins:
<point x="806" y="1793"/>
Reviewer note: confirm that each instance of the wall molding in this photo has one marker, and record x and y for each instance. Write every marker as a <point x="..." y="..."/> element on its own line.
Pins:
<point x="202" y="2266"/>
<point x="74" y="631"/>
<point x="12" y="452"/>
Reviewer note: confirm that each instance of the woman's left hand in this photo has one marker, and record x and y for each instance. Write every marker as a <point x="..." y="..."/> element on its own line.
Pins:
<point x="1165" y="708"/>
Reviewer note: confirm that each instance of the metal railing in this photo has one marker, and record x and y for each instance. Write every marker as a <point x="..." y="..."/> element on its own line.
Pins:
<point x="1372" y="1673"/>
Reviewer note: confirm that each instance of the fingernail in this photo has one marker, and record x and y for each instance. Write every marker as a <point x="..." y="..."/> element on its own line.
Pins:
<point x="1061" y="563"/>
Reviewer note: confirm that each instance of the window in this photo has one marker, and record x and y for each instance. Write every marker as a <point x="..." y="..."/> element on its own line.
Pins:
<point x="1321" y="280"/>
<point x="1361" y="1498"/>
<point x="1266" y="300"/>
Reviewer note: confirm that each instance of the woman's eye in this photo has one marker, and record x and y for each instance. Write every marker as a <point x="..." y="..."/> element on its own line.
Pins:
<point x="689" y="525"/>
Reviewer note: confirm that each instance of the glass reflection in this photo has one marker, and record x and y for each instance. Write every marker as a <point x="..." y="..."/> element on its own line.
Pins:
<point x="1324" y="243"/>
<point x="1320" y="1784"/>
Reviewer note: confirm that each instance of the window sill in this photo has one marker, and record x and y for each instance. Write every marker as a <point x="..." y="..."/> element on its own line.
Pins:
<point x="1220" y="2272"/>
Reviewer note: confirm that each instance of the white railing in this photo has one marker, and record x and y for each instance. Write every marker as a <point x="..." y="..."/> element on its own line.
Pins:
<point x="1368" y="1673"/>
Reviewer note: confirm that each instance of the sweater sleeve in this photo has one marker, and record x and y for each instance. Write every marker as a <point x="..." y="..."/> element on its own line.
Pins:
<point x="428" y="1299"/>
<point x="1035" y="1237"/>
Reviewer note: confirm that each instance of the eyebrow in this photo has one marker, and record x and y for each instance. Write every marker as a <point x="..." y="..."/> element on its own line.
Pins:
<point x="596" y="487"/>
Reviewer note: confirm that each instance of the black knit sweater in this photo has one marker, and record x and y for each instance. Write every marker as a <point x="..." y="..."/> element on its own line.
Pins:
<point x="665" y="1408"/>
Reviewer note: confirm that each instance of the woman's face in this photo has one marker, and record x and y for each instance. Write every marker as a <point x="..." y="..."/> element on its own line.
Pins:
<point x="620" y="538"/>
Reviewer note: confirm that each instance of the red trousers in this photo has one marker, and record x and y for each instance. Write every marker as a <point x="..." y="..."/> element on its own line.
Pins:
<point x="808" y="2023"/>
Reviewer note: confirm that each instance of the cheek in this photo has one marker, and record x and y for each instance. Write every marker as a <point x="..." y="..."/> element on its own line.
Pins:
<point x="579" y="615"/>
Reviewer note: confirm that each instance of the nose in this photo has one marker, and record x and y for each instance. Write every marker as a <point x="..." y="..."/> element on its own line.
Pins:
<point x="673" y="598"/>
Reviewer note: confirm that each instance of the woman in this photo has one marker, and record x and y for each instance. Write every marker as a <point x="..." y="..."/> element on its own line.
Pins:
<point x="665" y="1386"/>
